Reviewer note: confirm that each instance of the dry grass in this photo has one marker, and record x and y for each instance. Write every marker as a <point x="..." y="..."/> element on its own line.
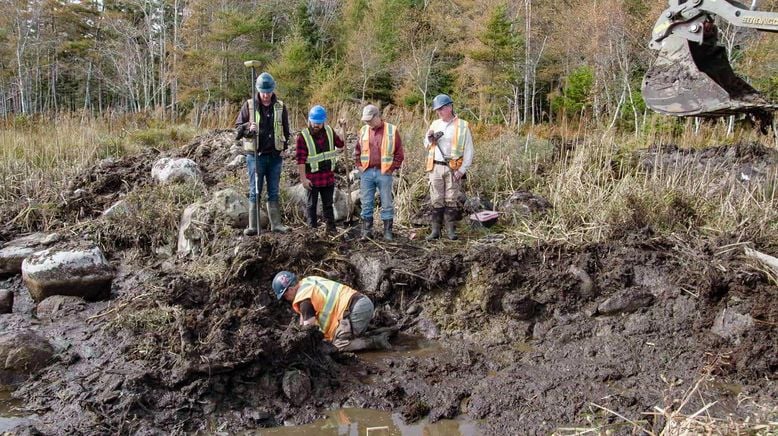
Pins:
<point x="591" y="177"/>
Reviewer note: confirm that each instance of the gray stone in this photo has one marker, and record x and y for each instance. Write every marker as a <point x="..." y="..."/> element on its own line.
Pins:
<point x="298" y="198"/>
<point x="626" y="301"/>
<point x="370" y="272"/>
<point x="194" y="229"/>
<point x="520" y="307"/>
<point x="119" y="209"/>
<point x="6" y="301"/>
<point x="176" y="170"/>
<point x="732" y="325"/>
<point x="236" y="162"/>
<point x="232" y="206"/>
<point x="22" y="353"/>
<point x="81" y="271"/>
<point x="296" y="386"/>
<point x="57" y="306"/>
<point x="14" y="252"/>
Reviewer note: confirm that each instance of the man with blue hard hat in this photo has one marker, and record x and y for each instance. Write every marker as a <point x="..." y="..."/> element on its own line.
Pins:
<point x="316" y="155"/>
<point x="449" y="145"/>
<point x="265" y="116"/>
<point x="340" y="312"/>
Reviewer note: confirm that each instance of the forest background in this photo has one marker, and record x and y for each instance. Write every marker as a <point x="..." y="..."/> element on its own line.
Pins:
<point x="512" y="63"/>
<point x="85" y="81"/>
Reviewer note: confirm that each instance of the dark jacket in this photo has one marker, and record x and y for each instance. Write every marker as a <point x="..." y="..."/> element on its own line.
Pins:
<point x="265" y="127"/>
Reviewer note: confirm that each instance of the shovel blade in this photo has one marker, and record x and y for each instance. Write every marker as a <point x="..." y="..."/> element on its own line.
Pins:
<point x="691" y="79"/>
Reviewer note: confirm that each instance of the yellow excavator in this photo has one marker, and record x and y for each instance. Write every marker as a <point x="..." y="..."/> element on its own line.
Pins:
<point x="692" y="75"/>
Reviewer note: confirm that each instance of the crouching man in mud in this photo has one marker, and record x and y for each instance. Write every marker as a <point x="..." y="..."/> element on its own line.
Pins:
<point x="340" y="312"/>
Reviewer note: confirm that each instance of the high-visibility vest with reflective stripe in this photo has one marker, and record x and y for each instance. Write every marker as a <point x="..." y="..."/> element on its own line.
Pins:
<point x="278" y="129"/>
<point x="329" y="299"/>
<point x="388" y="143"/>
<point x="315" y="157"/>
<point x="457" y="141"/>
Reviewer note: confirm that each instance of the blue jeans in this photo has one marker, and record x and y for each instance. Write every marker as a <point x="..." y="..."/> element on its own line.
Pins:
<point x="371" y="179"/>
<point x="269" y="169"/>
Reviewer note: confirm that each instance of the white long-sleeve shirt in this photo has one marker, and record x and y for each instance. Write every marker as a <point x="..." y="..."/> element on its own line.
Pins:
<point x="444" y="142"/>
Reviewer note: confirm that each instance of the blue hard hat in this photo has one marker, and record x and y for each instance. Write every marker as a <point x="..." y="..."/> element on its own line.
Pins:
<point x="317" y="115"/>
<point x="265" y="83"/>
<point x="441" y="100"/>
<point x="282" y="281"/>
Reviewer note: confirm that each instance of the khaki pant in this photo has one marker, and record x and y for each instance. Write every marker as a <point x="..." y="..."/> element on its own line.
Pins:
<point x="444" y="190"/>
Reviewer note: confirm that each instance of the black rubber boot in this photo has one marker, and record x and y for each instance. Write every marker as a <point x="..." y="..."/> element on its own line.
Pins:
<point x="251" y="230"/>
<point x="451" y="223"/>
<point x="367" y="229"/>
<point x="388" y="230"/>
<point x="436" y="220"/>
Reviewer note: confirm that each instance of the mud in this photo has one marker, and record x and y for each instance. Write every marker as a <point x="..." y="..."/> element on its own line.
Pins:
<point x="513" y="338"/>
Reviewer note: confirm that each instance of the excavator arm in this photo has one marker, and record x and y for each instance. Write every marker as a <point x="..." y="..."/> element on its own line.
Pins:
<point x="692" y="75"/>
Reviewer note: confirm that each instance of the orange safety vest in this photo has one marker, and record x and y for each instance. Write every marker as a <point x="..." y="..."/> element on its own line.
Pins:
<point x="388" y="143"/>
<point x="457" y="150"/>
<point x="329" y="299"/>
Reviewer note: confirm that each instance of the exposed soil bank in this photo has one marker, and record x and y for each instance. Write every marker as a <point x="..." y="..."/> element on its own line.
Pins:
<point x="520" y="339"/>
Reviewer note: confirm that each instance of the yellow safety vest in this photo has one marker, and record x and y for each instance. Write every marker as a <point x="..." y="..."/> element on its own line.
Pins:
<point x="314" y="157"/>
<point x="457" y="149"/>
<point x="388" y="143"/>
<point x="329" y="299"/>
<point x="278" y="129"/>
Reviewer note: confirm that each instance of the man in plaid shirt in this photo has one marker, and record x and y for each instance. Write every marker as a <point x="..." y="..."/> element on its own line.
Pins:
<point x="316" y="154"/>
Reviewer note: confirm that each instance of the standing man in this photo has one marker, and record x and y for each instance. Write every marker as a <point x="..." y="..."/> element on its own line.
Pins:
<point x="316" y="156"/>
<point x="449" y="146"/>
<point x="340" y="312"/>
<point x="378" y="154"/>
<point x="267" y="117"/>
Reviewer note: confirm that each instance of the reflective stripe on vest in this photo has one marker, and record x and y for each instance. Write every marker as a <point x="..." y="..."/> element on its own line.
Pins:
<point x="457" y="141"/>
<point x="314" y="157"/>
<point x="388" y="143"/>
<point x="330" y="301"/>
<point x="278" y="129"/>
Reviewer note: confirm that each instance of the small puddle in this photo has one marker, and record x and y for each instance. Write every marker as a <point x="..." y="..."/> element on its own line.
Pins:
<point x="10" y="416"/>
<point x="404" y="346"/>
<point x="366" y="422"/>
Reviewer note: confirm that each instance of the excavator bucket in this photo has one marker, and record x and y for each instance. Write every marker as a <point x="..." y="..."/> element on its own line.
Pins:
<point x="692" y="79"/>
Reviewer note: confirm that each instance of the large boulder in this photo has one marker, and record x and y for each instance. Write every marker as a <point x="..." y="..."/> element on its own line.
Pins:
<point x="197" y="220"/>
<point x="14" y="252"/>
<point x="298" y="198"/>
<point x="176" y="170"/>
<point x="22" y="353"/>
<point x="232" y="206"/>
<point x="80" y="271"/>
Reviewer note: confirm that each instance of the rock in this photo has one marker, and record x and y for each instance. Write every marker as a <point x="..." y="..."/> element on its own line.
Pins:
<point x="296" y="386"/>
<point x="236" y="162"/>
<point x="370" y="272"/>
<point x="6" y="301"/>
<point x="119" y="209"/>
<point x="179" y="170"/>
<point x="194" y="229"/>
<point x="524" y="203"/>
<point x="22" y="353"/>
<point x="732" y="325"/>
<point x="82" y="272"/>
<point x="57" y="306"/>
<point x="232" y="206"/>
<point x="14" y="252"/>
<point x="298" y="197"/>
<point x="520" y="307"/>
<point x="626" y="301"/>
